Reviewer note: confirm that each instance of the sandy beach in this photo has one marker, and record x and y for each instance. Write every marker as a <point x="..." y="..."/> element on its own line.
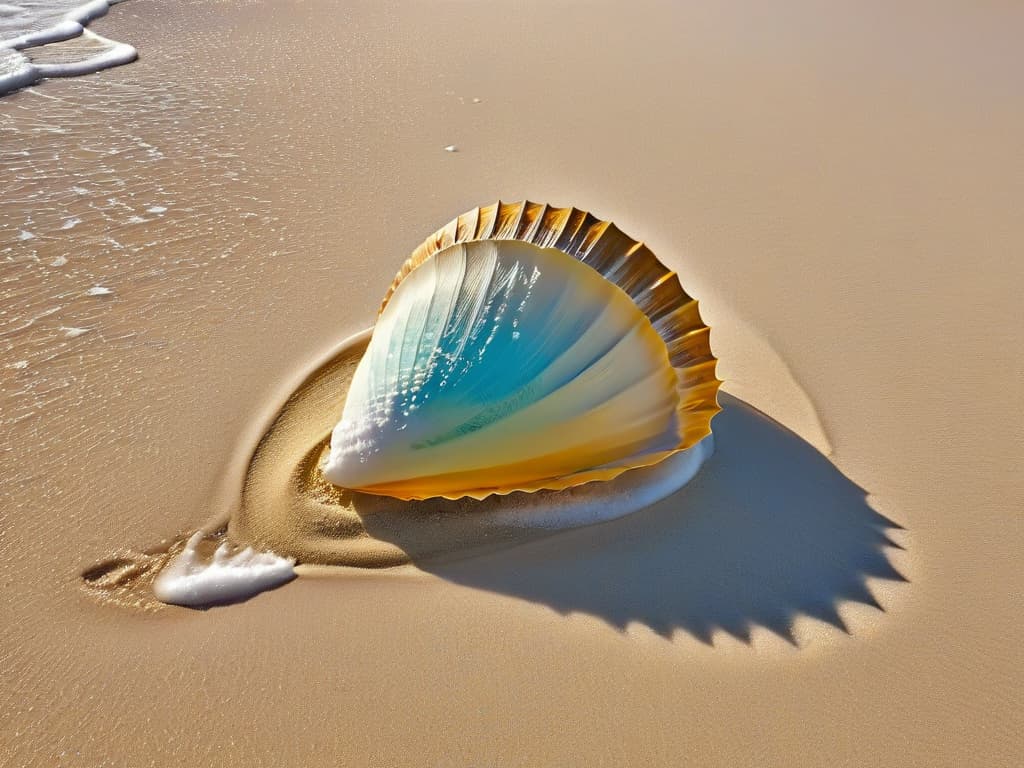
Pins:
<point x="839" y="187"/>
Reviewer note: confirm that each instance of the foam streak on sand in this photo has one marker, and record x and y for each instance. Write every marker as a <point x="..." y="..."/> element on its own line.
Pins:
<point x="50" y="40"/>
<point x="189" y="581"/>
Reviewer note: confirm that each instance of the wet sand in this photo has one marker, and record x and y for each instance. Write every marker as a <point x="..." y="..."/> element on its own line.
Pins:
<point x="847" y="183"/>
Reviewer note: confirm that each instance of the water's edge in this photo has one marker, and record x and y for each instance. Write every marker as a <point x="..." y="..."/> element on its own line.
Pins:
<point x="22" y="61"/>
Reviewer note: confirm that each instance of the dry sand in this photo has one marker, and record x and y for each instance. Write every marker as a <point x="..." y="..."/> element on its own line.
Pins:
<point x="845" y="181"/>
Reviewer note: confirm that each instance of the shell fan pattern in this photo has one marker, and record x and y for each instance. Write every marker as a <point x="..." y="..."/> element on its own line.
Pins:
<point x="523" y="348"/>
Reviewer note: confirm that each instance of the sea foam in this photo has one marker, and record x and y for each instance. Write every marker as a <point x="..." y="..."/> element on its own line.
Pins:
<point x="191" y="581"/>
<point x="49" y="39"/>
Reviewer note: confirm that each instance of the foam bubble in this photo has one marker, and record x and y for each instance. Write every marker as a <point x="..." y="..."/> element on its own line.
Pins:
<point x="15" y="71"/>
<point x="599" y="502"/>
<point x="188" y="580"/>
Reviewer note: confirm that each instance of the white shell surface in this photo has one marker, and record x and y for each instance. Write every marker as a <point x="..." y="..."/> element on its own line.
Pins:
<point x="501" y="366"/>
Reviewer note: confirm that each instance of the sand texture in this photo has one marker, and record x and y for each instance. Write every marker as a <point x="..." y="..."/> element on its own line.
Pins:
<point x="841" y="583"/>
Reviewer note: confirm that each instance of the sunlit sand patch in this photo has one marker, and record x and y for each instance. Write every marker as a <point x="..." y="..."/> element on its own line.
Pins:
<point x="126" y="578"/>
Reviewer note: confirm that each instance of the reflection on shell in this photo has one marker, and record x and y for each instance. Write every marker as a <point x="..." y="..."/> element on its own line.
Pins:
<point x="520" y="348"/>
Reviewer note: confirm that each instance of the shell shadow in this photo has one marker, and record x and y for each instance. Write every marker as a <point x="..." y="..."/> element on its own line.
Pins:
<point x="768" y="531"/>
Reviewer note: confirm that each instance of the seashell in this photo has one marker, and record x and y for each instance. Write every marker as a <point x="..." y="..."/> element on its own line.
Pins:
<point x="524" y="348"/>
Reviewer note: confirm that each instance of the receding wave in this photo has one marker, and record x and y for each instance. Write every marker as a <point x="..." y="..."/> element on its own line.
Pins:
<point x="49" y="39"/>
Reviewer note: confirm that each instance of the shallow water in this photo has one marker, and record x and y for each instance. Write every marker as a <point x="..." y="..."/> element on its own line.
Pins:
<point x="109" y="256"/>
<point x="47" y="38"/>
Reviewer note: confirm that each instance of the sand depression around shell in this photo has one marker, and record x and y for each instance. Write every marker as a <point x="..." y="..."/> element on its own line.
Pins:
<point x="276" y="509"/>
<point x="288" y="507"/>
<point x="533" y="368"/>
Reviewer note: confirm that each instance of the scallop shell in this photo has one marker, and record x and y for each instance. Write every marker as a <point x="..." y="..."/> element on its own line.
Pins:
<point x="524" y="347"/>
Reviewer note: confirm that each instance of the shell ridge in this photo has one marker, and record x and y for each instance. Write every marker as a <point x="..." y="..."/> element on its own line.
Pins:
<point x="412" y="339"/>
<point x="464" y="230"/>
<point x="580" y="235"/>
<point x="529" y="221"/>
<point x="573" y="221"/>
<point x="409" y="354"/>
<point x="448" y="233"/>
<point x="452" y="296"/>
<point x="697" y="372"/>
<point x="667" y="294"/>
<point x="598" y="253"/>
<point x="515" y="229"/>
<point x="625" y="260"/>
<point x="690" y="345"/>
<point x="477" y="309"/>
<point x="553" y="224"/>
<point x="536" y="225"/>
<point x="487" y="225"/>
<point x="389" y="365"/>
<point x="501" y="220"/>
<point x="632" y="276"/>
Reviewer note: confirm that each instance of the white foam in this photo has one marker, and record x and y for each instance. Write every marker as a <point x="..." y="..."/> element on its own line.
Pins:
<point x="189" y="581"/>
<point x="98" y="290"/>
<point x="45" y="27"/>
<point x="601" y="501"/>
<point x="15" y="71"/>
